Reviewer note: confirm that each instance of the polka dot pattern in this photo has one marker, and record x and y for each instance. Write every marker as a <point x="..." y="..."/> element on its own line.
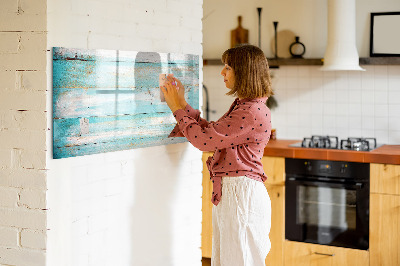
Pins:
<point x="238" y="139"/>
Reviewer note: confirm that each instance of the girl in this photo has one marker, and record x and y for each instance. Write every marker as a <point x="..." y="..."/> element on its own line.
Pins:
<point x="242" y="209"/>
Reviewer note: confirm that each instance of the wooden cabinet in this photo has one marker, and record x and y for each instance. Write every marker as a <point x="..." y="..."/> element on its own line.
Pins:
<point x="304" y="254"/>
<point x="206" y="225"/>
<point x="385" y="215"/>
<point x="385" y="178"/>
<point x="274" y="168"/>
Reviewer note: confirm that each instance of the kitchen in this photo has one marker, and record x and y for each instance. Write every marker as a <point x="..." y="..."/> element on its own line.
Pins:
<point x="313" y="104"/>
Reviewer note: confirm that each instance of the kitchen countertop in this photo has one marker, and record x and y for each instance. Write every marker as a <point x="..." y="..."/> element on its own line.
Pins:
<point x="389" y="154"/>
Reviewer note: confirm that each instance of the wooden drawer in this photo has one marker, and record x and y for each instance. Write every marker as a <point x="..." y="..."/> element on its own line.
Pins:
<point x="274" y="168"/>
<point x="304" y="254"/>
<point x="385" y="178"/>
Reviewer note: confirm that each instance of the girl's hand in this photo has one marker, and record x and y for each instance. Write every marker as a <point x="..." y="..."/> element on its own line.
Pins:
<point x="181" y="91"/>
<point x="171" y="96"/>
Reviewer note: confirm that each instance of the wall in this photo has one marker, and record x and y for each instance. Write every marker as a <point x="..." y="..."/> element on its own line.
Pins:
<point x="135" y="207"/>
<point x="305" y="18"/>
<point x="23" y="132"/>
<point x="312" y="102"/>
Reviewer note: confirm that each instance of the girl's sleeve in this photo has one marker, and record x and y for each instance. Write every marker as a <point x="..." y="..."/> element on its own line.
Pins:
<point x="235" y="129"/>
<point x="193" y="113"/>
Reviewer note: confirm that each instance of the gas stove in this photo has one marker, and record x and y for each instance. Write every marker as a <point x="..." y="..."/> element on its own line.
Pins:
<point x="332" y="142"/>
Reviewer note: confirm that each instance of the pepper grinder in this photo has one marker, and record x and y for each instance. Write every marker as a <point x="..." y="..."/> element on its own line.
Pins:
<point x="276" y="38"/>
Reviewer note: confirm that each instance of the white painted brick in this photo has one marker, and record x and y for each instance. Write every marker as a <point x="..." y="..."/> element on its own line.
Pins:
<point x="33" y="239"/>
<point x="33" y="120"/>
<point x="98" y="222"/>
<point x="32" y="80"/>
<point x="140" y="44"/>
<point x="23" y="22"/>
<point x="33" y="140"/>
<point x="23" y="100"/>
<point x="5" y="158"/>
<point x="29" y="61"/>
<point x="8" y="6"/>
<point x="190" y="22"/>
<point x="9" y="42"/>
<point x="153" y="32"/>
<point x="23" y="218"/>
<point x="8" y="197"/>
<point x="33" y="42"/>
<point x="149" y="6"/>
<point x="8" y="237"/>
<point x="15" y="158"/>
<point x="23" y="178"/>
<point x="33" y="199"/>
<point x="11" y="256"/>
<point x="7" y="80"/>
<point x="33" y="7"/>
<point x="31" y="159"/>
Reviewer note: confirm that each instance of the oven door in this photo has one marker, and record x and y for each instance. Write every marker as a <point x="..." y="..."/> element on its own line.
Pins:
<point x="327" y="213"/>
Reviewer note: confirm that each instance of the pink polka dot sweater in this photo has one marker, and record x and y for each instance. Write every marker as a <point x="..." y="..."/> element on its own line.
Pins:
<point x="238" y="139"/>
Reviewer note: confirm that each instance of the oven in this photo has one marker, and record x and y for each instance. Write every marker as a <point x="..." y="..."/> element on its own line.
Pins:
<point x="327" y="202"/>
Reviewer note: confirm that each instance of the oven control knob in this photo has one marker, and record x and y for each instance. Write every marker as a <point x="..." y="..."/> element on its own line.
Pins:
<point x="343" y="168"/>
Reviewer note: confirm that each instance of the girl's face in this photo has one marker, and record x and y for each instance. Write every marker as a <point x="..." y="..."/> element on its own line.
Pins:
<point x="229" y="76"/>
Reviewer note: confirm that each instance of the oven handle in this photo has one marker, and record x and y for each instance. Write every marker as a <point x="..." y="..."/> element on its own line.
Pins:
<point x="357" y="185"/>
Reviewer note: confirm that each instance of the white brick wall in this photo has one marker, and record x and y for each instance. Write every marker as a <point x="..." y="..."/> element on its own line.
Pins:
<point x="23" y="126"/>
<point x="134" y="207"/>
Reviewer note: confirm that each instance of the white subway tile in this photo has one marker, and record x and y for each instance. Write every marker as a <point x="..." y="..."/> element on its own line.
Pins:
<point x="382" y="136"/>
<point x="329" y="109"/>
<point x="380" y="71"/>
<point x="355" y="122"/>
<point x="394" y="123"/>
<point x="368" y="123"/>
<point x="394" y="83"/>
<point x="355" y="132"/>
<point x="381" y="110"/>
<point x="394" y="97"/>
<point x="394" y="110"/>
<point x="393" y="71"/>
<point x="291" y="71"/>
<point x="381" y="97"/>
<point x="367" y="96"/>
<point x="381" y="123"/>
<point x="355" y="96"/>
<point x="394" y="137"/>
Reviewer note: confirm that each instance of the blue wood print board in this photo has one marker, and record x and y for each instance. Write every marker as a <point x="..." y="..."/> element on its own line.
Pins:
<point x="109" y="100"/>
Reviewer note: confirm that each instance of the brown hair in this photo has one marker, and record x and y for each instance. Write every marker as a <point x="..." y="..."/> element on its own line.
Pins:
<point x="250" y="66"/>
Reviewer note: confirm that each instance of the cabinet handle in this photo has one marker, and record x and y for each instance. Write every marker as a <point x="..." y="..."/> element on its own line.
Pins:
<point x="324" y="254"/>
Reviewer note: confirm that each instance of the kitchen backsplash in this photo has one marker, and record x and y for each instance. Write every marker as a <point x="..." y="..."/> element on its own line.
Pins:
<point x="314" y="102"/>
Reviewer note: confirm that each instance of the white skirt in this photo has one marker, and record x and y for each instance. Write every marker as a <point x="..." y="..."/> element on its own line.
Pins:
<point x="241" y="223"/>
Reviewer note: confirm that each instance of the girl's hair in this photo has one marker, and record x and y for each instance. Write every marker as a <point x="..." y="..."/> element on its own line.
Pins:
<point x="250" y="66"/>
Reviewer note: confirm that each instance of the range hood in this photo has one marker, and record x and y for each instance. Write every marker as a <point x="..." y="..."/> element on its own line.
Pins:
<point x="341" y="51"/>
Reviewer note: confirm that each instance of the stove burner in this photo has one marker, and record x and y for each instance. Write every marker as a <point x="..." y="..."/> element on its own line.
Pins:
<point x="358" y="144"/>
<point x="332" y="142"/>
<point x="328" y="142"/>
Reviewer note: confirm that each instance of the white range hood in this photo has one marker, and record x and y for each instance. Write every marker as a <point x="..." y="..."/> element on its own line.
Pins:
<point x="341" y="51"/>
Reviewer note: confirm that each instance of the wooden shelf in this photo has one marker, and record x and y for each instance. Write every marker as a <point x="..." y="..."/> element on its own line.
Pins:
<point x="380" y="61"/>
<point x="274" y="63"/>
